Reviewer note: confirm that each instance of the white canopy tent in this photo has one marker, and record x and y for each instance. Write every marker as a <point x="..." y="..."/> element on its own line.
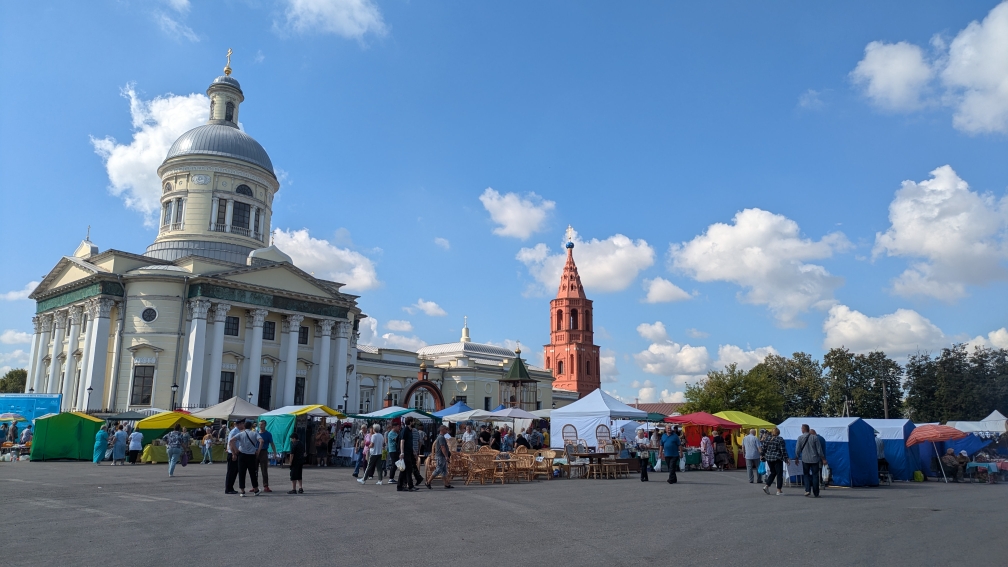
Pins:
<point x="597" y="408"/>
<point x="235" y="408"/>
<point x="993" y="423"/>
<point x="472" y="415"/>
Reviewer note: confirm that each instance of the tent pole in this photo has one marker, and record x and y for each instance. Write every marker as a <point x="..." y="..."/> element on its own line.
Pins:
<point x="942" y="467"/>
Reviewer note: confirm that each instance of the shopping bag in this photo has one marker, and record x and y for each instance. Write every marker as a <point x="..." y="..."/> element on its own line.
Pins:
<point x="400" y="464"/>
<point x="762" y="468"/>
<point x="185" y="458"/>
<point x="108" y="454"/>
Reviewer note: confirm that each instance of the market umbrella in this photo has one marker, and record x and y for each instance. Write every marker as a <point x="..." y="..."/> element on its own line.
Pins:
<point x="128" y="416"/>
<point x="472" y="415"/>
<point x="457" y="407"/>
<point x="703" y="419"/>
<point x="12" y="417"/>
<point x="232" y="409"/>
<point x="934" y="433"/>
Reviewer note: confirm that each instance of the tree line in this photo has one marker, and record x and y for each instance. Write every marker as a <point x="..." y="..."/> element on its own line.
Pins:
<point x="955" y="384"/>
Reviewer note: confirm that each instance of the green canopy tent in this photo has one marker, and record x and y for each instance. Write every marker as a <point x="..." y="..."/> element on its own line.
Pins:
<point x="282" y="422"/>
<point x="67" y="435"/>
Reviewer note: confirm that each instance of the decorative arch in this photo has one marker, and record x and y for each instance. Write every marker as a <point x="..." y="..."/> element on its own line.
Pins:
<point x="559" y="367"/>
<point x="559" y="320"/>
<point x="431" y="389"/>
<point x="574" y="319"/>
<point x="229" y="109"/>
<point x="244" y="190"/>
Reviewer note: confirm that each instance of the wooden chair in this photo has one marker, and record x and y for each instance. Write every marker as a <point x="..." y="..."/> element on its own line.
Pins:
<point x="504" y="469"/>
<point x="480" y="468"/>
<point x="542" y="464"/>
<point x="602" y="432"/>
<point x="574" y="464"/>
<point x="458" y="466"/>
<point x="469" y="447"/>
<point x="485" y="449"/>
<point x="569" y="433"/>
<point x="523" y="465"/>
<point x="520" y="450"/>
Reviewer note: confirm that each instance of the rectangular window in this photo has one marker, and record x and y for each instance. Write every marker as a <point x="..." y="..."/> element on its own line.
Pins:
<point x="538" y="405"/>
<point x="303" y="335"/>
<point x="269" y="331"/>
<point x="143" y="385"/>
<point x="240" y="215"/>
<point x="226" y="386"/>
<point x="231" y="326"/>
<point x="167" y="213"/>
<point x="461" y="399"/>
<point x="299" y="383"/>
<point x="221" y="212"/>
<point x="255" y="229"/>
<point x="486" y="403"/>
<point x="180" y="210"/>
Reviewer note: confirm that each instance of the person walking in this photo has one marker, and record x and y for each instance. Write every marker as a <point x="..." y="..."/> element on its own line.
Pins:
<point x="174" y="443"/>
<point x="392" y="442"/>
<point x="672" y="450"/>
<point x="247" y="444"/>
<point x="643" y="453"/>
<point x="119" y="446"/>
<point x="441" y="457"/>
<point x="374" y="459"/>
<point x="207" y="447"/>
<point x="100" y="444"/>
<point x="408" y="455"/>
<point x="809" y="452"/>
<point x="262" y="460"/>
<point x="321" y="446"/>
<point x="232" y="459"/>
<point x="297" y="453"/>
<point x="359" y="449"/>
<point x="135" y="446"/>
<point x="775" y="453"/>
<point x="752" y="447"/>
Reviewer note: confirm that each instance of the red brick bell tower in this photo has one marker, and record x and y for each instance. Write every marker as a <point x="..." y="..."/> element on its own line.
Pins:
<point x="572" y="354"/>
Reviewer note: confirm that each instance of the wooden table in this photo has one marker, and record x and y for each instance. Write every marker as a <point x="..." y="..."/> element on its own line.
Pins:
<point x="592" y="458"/>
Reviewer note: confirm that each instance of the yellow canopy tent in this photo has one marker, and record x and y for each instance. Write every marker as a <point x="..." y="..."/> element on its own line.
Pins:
<point x="281" y="422"/>
<point x="747" y="422"/>
<point x="157" y="425"/>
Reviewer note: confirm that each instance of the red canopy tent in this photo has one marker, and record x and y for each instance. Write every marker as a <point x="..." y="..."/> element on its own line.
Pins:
<point x="698" y="423"/>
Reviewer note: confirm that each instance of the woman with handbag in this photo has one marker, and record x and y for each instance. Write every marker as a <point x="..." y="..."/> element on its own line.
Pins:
<point x="643" y="453"/>
<point x="101" y="444"/>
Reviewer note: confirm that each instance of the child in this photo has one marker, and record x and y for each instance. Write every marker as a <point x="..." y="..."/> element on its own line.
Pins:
<point x="297" y="463"/>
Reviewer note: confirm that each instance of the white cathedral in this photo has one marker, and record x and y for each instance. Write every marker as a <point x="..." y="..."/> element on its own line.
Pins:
<point x="212" y="311"/>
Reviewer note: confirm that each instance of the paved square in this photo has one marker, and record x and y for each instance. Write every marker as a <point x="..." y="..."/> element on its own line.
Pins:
<point x="65" y="514"/>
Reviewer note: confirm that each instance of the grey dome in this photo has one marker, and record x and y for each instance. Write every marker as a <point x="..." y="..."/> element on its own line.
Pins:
<point x="221" y="140"/>
<point x="227" y="80"/>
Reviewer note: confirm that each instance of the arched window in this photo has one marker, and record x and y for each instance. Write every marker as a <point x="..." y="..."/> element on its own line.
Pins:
<point x="559" y="367"/>
<point x="587" y="320"/>
<point x="559" y="319"/>
<point x="588" y="368"/>
<point x="547" y="362"/>
<point x="212" y="101"/>
<point x="229" y="112"/>
<point x="243" y="190"/>
<point x="574" y="319"/>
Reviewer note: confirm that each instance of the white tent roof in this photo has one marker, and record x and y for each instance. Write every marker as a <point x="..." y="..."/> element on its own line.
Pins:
<point x="235" y="408"/>
<point x="888" y="428"/>
<point x="542" y="413"/>
<point x="472" y="415"/>
<point x="994" y="423"/>
<point x="596" y="404"/>
<point x="317" y="412"/>
<point x="508" y="414"/>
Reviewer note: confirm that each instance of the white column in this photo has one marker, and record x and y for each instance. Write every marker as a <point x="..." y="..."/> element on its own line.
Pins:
<point x="57" y="349"/>
<point x="38" y="380"/>
<point x="230" y="211"/>
<point x="29" y="379"/>
<point x="89" y="310"/>
<point x="354" y="378"/>
<point x="254" y="362"/>
<point x="343" y="330"/>
<point x="217" y="354"/>
<point x="116" y="345"/>
<point x="98" y="360"/>
<point x="193" y="388"/>
<point x="322" y="395"/>
<point x="293" y="324"/>
<point x="76" y="314"/>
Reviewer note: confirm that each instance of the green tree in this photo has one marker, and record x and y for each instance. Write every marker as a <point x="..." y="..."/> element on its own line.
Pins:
<point x="14" y="381"/>
<point x="753" y="392"/>
<point x="801" y="383"/>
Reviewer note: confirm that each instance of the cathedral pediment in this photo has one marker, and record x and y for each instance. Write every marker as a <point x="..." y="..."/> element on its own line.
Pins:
<point x="67" y="271"/>
<point x="281" y="277"/>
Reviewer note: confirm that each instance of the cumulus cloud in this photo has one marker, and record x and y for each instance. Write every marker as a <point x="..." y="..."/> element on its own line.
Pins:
<point x="811" y="100"/>
<point x="647" y="393"/>
<point x="897" y="334"/>
<point x="327" y="261"/>
<point x="369" y="336"/>
<point x="971" y="73"/>
<point x="428" y="308"/>
<point x="660" y="290"/>
<point x="764" y="253"/>
<point x="15" y="359"/>
<point x="956" y="236"/>
<point x="515" y="215"/>
<point x="19" y="294"/>
<point x="393" y="340"/>
<point x="174" y="28"/>
<point x="697" y="333"/>
<point x="653" y="332"/>
<point x="994" y="339"/>
<point x="745" y="359"/>
<point x="400" y="326"/>
<point x="352" y="19"/>
<point x="682" y="363"/>
<point x="442" y="242"/>
<point x="604" y="265"/>
<point x="893" y="75"/>
<point x="157" y="123"/>
<point x="607" y="366"/>
<point x="12" y="337"/>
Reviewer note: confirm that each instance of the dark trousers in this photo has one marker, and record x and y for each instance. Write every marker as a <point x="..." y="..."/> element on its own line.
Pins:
<point x="133" y="456"/>
<point x="406" y="475"/>
<point x="232" y="473"/>
<point x="673" y="465"/>
<point x="392" y="469"/>
<point x="752" y="467"/>
<point x="416" y="470"/>
<point x="810" y="477"/>
<point x="643" y="467"/>
<point x="374" y="464"/>
<point x="264" y="467"/>
<point x="247" y="463"/>
<point x="775" y="471"/>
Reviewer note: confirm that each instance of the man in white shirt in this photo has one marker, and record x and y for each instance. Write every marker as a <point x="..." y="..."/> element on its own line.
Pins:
<point x="246" y="443"/>
<point x="752" y="446"/>
<point x="468" y="434"/>
<point x="232" y="459"/>
<point x="375" y="456"/>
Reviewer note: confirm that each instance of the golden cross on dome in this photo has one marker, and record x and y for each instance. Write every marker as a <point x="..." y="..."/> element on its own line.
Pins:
<point x="227" y="68"/>
<point x="570" y="233"/>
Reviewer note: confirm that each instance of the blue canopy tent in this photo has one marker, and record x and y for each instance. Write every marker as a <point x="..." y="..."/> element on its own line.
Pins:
<point x="850" y="447"/>
<point x="903" y="460"/>
<point x="928" y="450"/>
<point x="457" y="407"/>
<point x="500" y="407"/>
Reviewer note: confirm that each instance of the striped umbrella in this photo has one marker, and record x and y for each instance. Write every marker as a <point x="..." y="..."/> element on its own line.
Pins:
<point x="933" y="433"/>
<point x="4" y="417"/>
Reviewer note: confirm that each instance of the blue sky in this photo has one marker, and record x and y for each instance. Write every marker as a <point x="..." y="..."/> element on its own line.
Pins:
<point x="771" y="178"/>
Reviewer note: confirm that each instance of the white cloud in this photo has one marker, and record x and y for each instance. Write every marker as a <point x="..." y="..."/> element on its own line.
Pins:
<point x="369" y="336"/>
<point x="428" y="308"/>
<point x="745" y="359"/>
<point x="174" y="28"/>
<point x="897" y="334"/>
<point x="19" y="294"/>
<point x="958" y="236"/>
<point x="682" y="363"/>
<point x="442" y="242"/>
<point x="12" y="337"/>
<point x="393" y="340"/>
<point x="994" y="339"/>
<point x="180" y="6"/>
<point x="327" y="261"/>
<point x="893" y="75"/>
<point x="604" y="265"/>
<point x="352" y="19"/>
<point x="132" y="168"/>
<point x="647" y="393"/>
<point x="15" y="359"/>
<point x="398" y="325"/>
<point x="653" y="332"/>
<point x="765" y="254"/>
<point x="660" y="290"/>
<point x="697" y="334"/>
<point x="607" y="366"/>
<point x="971" y="71"/>
<point x="810" y="100"/>
<point x="517" y="216"/>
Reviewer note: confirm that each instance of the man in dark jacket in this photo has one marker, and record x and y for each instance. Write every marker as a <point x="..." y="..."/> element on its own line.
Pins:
<point x="408" y="456"/>
<point x="809" y="452"/>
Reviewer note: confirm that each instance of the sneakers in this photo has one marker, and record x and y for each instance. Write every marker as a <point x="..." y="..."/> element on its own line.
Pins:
<point x="300" y="491"/>
<point x="360" y="480"/>
<point x="230" y="492"/>
<point x="267" y="489"/>
<point x="243" y="495"/>
<point x="779" y="493"/>
<point x="807" y="494"/>
<point x="766" y="490"/>
<point x="255" y="492"/>
<point x="292" y="492"/>
<point x="378" y="483"/>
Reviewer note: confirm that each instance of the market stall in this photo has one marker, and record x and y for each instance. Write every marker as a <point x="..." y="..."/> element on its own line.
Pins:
<point x="457" y="407"/>
<point x="67" y="435"/>
<point x="283" y="421"/>
<point x="230" y="410"/>
<point x="586" y="414"/>
<point x="903" y="462"/>
<point x="157" y="425"/>
<point x="745" y="422"/>
<point x="850" y="447"/>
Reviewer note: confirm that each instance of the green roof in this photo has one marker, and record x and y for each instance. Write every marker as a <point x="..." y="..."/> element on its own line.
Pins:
<point x="518" y="371"/>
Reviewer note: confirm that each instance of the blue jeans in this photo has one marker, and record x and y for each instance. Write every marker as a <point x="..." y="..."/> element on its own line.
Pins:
<point x="361" y="462"/>
<point x="810" y="477"/>
<point x="174" y="456"/>
<point x="207" y="455"/>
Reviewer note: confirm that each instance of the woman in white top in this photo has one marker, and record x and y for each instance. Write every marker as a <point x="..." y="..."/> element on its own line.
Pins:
<point x="135" y="446"/>
<point x="643" y="453"/>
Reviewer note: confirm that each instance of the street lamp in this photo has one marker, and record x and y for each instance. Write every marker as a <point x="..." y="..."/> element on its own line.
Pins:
<point x="31" y="390"/>
<point x="89" y="390"/>
<point x="346" y="397"/>
<point x="367" y="405"/>
<point x="250" y="397"/>
<point x="174" y="388"/>
<point x="554" y="405"/>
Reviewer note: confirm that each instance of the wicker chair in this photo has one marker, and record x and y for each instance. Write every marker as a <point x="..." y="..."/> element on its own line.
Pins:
<point x="602" y="432"/>
<point x="469" y="447"/>
<point x="458" y="466"/>
<point x="485" y="449"/>
<point x="569" y="434"/>
<point x="543" y="464"/>
<point x="481" y="467"/>
<point x="504" y="469"/>
<point x="520" y="449"/>
<point x="523" y="466"/>
<point x="574" y="464"/>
